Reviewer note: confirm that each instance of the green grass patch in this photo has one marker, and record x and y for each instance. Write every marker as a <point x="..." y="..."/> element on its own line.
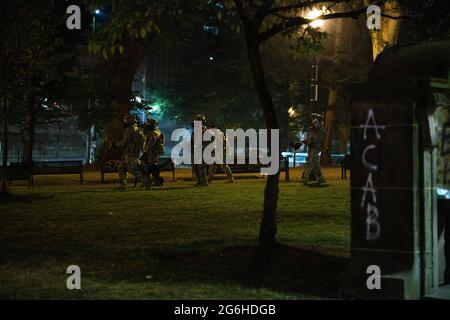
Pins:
<point x="177" y="242"/>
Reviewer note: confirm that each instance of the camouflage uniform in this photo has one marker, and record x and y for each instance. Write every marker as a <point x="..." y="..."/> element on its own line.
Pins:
<point x="132" y="148"/>
<point x="154" y="148"/>
<point x="225" y="167"/>
<point x="314" y="142"/>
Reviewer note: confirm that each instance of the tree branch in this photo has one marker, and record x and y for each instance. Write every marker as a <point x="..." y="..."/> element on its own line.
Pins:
<point x="280" y="16"/>
<point x="280" y="27"/>
<point x="240" y="8"/>
<point x="262" y="12"/>
<point x="299" y="21"/>
<point x="395" y="18"/>
<point x="302" y="5"/>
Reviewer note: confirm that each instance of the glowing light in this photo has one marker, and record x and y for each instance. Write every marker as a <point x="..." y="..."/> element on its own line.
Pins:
<point x="292" y="112"/>
<point x="97" y="11"/>
<point x="443" y="193"/>
<point x="313" y="14"/>
<point x="156" y="108"/>
<point x="45" y="103"/>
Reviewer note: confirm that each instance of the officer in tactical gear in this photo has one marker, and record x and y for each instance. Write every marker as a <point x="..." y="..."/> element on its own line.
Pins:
<point x="314" y="142"/>
<point x="224" y="166"/>
<point x="199" y="170"/>
<point x="132" y="144"/>
<point x="153" y="149"/>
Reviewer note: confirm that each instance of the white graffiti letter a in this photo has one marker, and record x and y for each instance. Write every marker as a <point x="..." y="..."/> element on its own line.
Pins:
<point x="369" y="188"/>
<point x="367" y="125"/>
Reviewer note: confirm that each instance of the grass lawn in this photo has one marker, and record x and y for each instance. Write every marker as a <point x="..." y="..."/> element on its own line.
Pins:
<point x="177" y="242"/>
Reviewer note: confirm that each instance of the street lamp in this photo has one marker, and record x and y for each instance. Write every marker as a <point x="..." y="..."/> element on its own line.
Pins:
<point x="90" y="153"/>
<point x="96" y="13"/>
<point x="315" y="13"/>
<point x="292" y="112"/>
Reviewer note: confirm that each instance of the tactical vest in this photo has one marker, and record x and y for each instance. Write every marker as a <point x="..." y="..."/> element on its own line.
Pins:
<point x="136" y="140"/>
<point x="157" y="146"/>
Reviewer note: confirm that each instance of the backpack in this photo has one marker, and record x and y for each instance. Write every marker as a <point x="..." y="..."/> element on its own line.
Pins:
<point x="138" y="140"/>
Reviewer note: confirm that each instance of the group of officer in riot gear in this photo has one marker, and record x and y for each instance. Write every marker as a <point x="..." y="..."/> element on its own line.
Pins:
<point x="142" y="148"/>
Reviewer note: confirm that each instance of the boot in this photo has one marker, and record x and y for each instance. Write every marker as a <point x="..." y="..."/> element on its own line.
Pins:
<point x="145" y="185"/>
<point x="159" y="182"/>
<point x="305" y="180"/>
<point x="201" y="183"/>
<point x="202" y="180"/>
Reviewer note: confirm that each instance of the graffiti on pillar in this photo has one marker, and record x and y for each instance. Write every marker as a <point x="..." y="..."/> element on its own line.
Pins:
<point x="444" y="160"/>
<point x="442" y="119"/>
<point x="445" y="148"/>
<point x="369" y="195"/>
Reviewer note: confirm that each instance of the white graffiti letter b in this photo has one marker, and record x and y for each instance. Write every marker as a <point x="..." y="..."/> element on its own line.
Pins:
<point x="74" y="20"/>
<point x="74" y="281"/>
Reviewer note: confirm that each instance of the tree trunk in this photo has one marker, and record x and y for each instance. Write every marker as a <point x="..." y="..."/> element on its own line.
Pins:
<point x="4" y="187"/>
<point x="125" y="66"/>
<point x="28" y="142"/>
<point x="330" y="118"/>
<point x="344" y="138"/>
<point x="58" y="141"/>
<point x="285" y="134"/>
<point x="390" y="28"/>
<point x="268" y="227"/>
<point x="88" y="138"/>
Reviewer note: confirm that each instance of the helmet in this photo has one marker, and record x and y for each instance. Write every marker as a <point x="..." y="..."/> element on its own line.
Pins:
<point x="152" y="123"/>
<point x="316" y="119"/>
<point x="129" y="119"/>
<point x="200" y="117"/>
